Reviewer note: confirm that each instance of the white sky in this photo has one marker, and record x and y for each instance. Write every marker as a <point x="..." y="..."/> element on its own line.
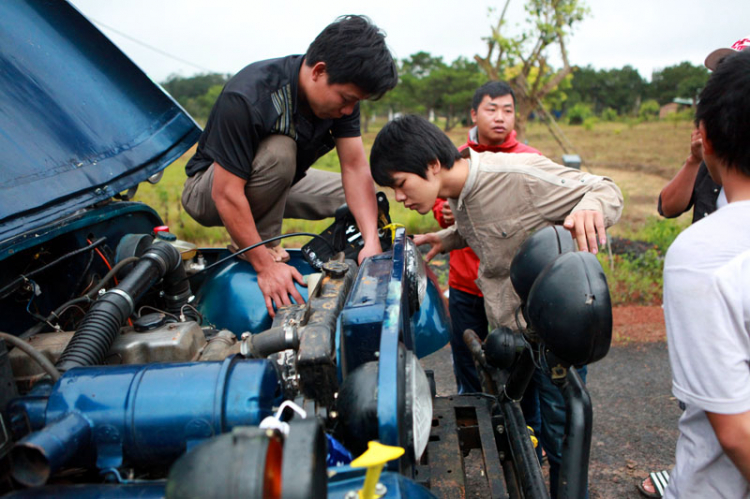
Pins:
<point x="225" y="35"/>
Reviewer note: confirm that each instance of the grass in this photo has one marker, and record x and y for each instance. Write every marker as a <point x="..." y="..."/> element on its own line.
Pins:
<point x="640" y="157"/>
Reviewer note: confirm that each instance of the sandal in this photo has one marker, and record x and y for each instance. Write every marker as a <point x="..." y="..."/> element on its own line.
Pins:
<point x="656" y="481"/>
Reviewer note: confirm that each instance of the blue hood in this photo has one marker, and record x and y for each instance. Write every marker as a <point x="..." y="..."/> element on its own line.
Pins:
<point x="79" y="122"/>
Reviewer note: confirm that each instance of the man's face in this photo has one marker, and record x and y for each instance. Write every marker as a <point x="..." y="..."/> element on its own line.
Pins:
<point x="332" y="101"/>
<point x="415" y="192"/>
<point x="495" y="119"/>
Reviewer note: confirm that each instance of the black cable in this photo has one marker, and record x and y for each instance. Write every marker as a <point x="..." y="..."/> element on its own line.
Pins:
<point x="24" y="277"/>
<point x="266" y="241"/>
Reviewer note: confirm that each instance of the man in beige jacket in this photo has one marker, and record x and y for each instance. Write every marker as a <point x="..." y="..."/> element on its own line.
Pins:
<point x="498" y="200"/>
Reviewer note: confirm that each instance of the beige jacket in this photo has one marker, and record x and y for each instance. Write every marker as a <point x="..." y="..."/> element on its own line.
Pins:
<point x="506" y="198"/>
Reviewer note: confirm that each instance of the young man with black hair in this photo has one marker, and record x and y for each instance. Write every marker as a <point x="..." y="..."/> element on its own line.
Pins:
<point x="707" y="303"/>
<point x="498" y="200"/>
<point x="272" y="121"/>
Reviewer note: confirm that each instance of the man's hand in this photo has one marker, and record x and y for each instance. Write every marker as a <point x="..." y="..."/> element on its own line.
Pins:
<point x="447" y="215"/>
<point x="276" y="281"/>
<point x="370" y="248"/>
<point x="696" y="147"/>
<point x="584" y="226"/>
<point x="433" y="240"/>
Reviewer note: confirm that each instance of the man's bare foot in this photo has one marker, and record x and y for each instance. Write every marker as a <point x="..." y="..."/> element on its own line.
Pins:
<point x="279" y="254"/>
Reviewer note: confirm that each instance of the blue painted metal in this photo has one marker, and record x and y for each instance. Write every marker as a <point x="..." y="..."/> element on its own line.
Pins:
<point x="362" y="316"/>
<point x="345" y="479"/>
<point x="150" y="414"/>
<point x="431" y="323"/>
<point x="144" y="490"/>
<point x="394" y="329"/>
<point x="361" y="319"/>
<point x="229" y="296"/>
<point x="80" y="122"/>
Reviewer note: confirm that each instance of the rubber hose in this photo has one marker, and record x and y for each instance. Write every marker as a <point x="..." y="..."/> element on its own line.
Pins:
<point x="35" y="355"/>
<point x="102" y="323"/>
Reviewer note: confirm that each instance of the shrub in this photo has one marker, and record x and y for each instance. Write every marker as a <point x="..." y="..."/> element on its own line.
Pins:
<point x="578" y="113"/>
<point x="649" y="110"/>
<point x="609" y="114"/>
<point x="588" y="123"/>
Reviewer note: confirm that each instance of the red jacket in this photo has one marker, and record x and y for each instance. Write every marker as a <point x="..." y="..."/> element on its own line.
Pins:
<point x="464" y="263"/>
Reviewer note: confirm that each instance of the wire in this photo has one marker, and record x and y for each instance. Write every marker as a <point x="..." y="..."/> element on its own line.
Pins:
<point x="35" y="355"/>
<point x="82" y="299"/>
<point x="24" y="277"/>
<point x="266" y="241"/>
<point x="151" y="47"/>
<point x="109" y="266"/>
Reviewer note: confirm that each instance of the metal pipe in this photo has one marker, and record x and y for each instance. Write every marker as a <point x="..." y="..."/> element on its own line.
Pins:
<point x="574" y="469"/>
<point x="38" y="456"/>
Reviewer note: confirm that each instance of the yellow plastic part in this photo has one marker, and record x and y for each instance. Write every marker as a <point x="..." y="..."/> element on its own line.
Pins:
<point x="374" y="458"/>
<point x="393" y="227"/>
<point x="534" y="440"/>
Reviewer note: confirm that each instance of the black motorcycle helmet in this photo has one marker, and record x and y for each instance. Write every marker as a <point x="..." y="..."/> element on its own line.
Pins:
<point x="570" y="309"/>
<point x="538" y="251"/>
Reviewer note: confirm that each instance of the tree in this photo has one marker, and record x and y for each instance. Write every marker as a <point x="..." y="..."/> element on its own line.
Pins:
<point x="522" y="59"/>
<point x="680" y="80"/>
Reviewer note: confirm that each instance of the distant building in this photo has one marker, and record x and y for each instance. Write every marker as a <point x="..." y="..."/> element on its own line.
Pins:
<point x="678" y="104"/>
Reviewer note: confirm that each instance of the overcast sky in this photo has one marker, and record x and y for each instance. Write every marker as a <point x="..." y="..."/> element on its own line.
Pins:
<point x="225" y="35"/>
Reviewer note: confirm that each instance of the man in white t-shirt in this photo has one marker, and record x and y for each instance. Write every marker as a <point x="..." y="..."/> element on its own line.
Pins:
<point x="707" y="304"/>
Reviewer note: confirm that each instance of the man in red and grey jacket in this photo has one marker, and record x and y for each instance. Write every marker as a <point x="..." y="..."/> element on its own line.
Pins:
<point x="494" y="114"/>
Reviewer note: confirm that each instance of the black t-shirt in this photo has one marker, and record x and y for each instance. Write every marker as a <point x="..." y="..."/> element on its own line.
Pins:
<point x="705" y="193"/>
<point x="258" y="101"/>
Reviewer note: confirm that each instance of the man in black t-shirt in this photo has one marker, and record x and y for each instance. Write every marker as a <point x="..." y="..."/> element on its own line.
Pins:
<point x="272" y="121"/>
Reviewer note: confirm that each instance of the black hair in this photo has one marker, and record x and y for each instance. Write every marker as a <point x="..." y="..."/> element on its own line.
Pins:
<point x="724" y="110"/>
<point x="409" y="144"/>
<point x="354" y="51"/>
<point x="493" y="89"/>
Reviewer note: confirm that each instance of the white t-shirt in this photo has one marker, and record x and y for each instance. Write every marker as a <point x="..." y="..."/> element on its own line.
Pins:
<point x="707" y="313"/>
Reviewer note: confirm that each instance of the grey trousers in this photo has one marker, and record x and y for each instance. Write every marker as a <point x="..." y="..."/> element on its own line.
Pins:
<point x="269" y="190"/>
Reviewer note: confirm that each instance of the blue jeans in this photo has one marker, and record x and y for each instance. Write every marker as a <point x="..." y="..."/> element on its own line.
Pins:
<point x="544" y="410"/>
<point x="467" y="312"/>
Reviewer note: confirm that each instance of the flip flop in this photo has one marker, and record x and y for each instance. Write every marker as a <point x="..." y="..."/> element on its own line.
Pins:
<point x="659" y="481"/>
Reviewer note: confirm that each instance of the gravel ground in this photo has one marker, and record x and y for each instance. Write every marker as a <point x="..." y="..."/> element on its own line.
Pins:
<point x="635" y="415"/>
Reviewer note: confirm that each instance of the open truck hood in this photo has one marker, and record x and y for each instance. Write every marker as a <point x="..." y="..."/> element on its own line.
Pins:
<point x="79" y="121"/>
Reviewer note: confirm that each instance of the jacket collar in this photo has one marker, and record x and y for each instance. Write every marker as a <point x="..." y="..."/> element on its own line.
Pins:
<point x="508" y="145"/>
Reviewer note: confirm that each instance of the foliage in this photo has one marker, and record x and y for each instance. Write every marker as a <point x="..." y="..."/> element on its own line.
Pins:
<point x="681" y="80"/>
<point x="548" y="22"/>
<point x="609" y="114"/>
<point x="637" y="277"/>
<point x="196" y="94"/>
<point x="649" y="110"/>
<point x="579" y="113"/>
<point x="428" y="84"/>
<point x="618" y="89"/>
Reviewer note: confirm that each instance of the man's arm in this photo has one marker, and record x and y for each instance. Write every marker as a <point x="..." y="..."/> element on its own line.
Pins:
<point x="733" y="433"/>
<point x="275" y="279"/>
<point x="675" y="196"/>
<point x="360" y="192"/>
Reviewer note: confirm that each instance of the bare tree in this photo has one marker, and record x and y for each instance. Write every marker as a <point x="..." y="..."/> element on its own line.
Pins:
<point x="522" y="59"/>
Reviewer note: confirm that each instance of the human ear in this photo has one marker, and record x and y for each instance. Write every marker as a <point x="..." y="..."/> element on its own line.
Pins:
<point x="708" y="147"/>
<point x="318" y="70"/>
<point x="474" y="116"/>
<point x="434" y="166"/>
